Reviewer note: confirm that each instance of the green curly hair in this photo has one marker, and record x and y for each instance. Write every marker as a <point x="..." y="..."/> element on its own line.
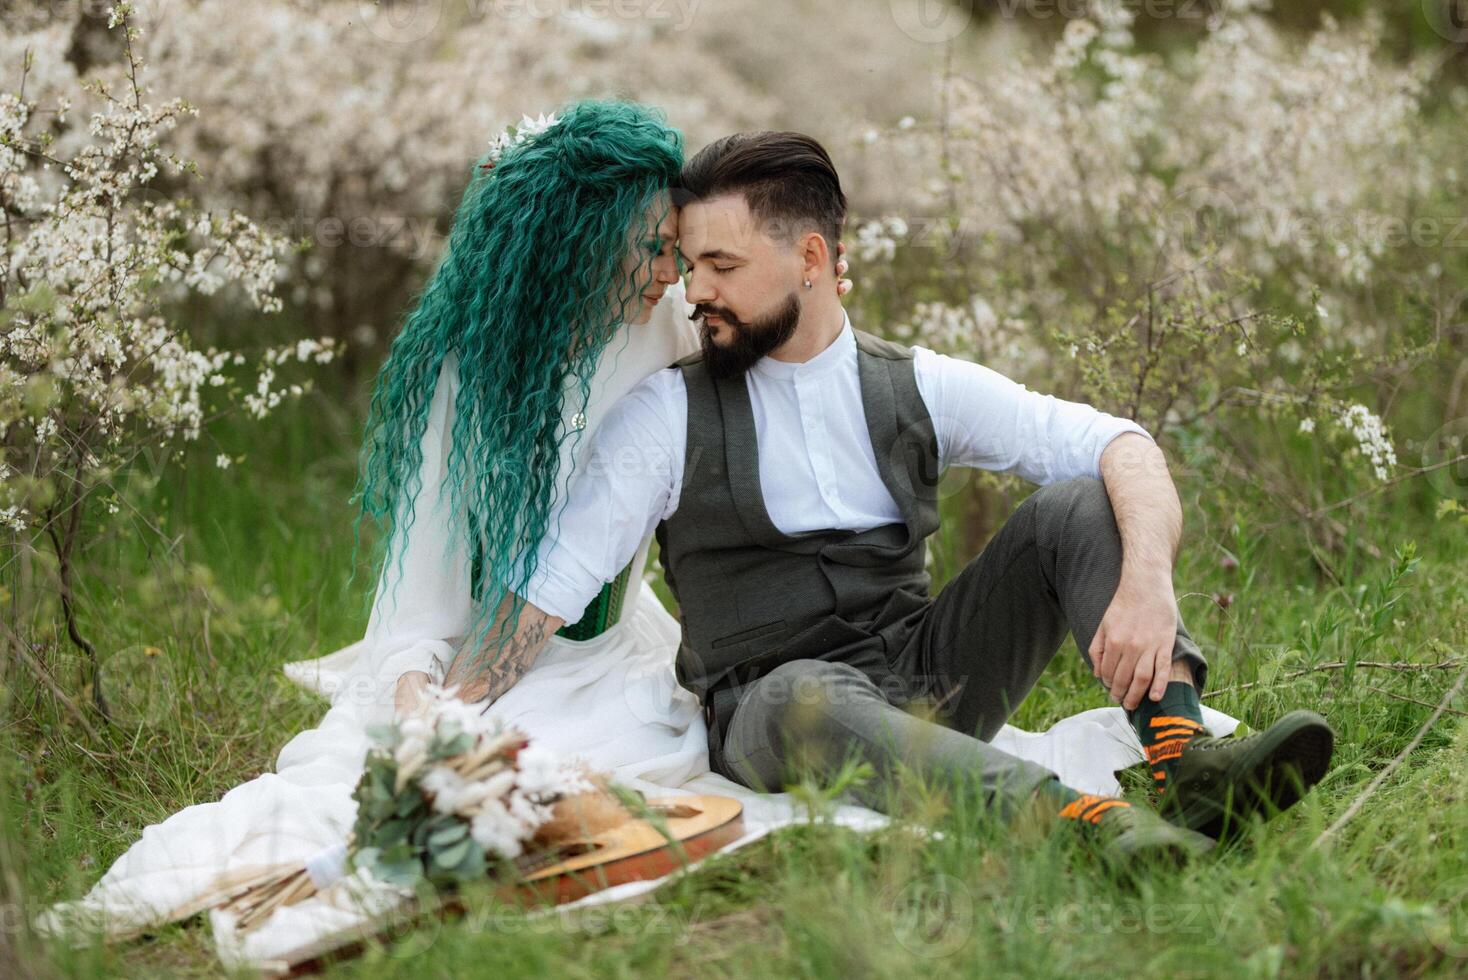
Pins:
<point x="532" y="286"/>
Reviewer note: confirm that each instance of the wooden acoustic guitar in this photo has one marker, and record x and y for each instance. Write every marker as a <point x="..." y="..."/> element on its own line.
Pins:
<point x="635" y="850"/>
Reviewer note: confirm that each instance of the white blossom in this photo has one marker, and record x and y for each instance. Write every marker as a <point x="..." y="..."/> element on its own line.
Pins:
<point x="447" y="787"/>
<point x="96" y="256"/>
<point x="876" y="240"/>
<point x="1371" y="437"/>
<point x="542" y="772"/>
<point x="1042" y="163"/>
<point x="1074" y="41"/>
<point x="496" y="830"/>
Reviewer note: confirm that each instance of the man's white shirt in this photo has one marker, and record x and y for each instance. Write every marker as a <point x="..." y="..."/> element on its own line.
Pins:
<point x="817" y="468"/>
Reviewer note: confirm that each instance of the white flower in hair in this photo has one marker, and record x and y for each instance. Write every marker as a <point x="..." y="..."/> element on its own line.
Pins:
<point x="515" y="135"/>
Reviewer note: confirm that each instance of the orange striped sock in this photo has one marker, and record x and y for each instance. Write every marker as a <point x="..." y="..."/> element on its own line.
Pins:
<point x="1165" y="727"/>
<point x="1090" y="807"/>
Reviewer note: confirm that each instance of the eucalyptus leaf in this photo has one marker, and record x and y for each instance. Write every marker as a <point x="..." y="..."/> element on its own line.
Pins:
<point x="454" y="832"/>
<point x="409" y="800"/>
<point x="399" y="850"/>
<point x="457" y="745"/>
<point x="393" y="831"/>
<point x="402" y="873"/>
<point x="447" y="733"/>
<point x="472" y="867"/>
<point x="364" y="857"/>
<point x="453" y="855"/>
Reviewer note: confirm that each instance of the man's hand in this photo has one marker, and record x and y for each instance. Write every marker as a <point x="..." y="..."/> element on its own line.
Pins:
<point x="1132" y="649"/>
<point x="408" y="697"/>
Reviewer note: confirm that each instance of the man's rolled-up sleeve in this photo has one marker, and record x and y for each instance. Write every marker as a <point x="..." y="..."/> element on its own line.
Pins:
<point x="985" y="420"/>
<point x="613" y="501"/>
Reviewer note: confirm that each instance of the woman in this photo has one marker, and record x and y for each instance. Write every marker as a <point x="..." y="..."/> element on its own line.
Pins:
<point x="558" y="292"/>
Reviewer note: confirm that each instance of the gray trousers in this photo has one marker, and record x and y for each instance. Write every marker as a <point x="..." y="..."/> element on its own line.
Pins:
<point x="979" y="649"/>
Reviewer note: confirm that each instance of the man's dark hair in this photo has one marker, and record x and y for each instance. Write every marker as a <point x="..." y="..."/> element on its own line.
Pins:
<point x="787" y="179"/>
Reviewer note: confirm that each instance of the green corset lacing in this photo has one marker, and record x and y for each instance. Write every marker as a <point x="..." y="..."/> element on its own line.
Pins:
<point x="604" y="610"/>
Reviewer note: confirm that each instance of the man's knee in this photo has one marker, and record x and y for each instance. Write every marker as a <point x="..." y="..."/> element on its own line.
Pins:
<point x="1080" y="502"/>
<point x="801" y="693"/>
<point x="806" y="682"/>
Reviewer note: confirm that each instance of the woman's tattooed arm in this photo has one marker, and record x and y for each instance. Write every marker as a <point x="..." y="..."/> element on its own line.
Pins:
<point x="482" y="675"/>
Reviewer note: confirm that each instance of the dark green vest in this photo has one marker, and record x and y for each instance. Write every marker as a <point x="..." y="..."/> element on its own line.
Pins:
<point x="751" y="597"/>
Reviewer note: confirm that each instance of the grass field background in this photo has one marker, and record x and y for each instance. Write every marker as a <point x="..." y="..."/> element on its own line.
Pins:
<point x="192" y="662"/>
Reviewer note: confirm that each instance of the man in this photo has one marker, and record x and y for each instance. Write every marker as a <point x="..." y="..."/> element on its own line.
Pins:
<point x="790" y="471"/>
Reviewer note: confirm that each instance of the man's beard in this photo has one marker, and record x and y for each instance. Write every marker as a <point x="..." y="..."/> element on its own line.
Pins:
<point x="751" y="342"/>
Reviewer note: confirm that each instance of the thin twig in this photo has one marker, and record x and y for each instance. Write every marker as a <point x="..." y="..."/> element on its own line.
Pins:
<point x="1403" y="697"/>
<point x="1257" y="471"/>
<point x="45" y="678"/>
<point x="1338" y="665"/>
<point x="1391" y="767"/>
<point x="67" y="595"/>
<point x="1369" y="491"/>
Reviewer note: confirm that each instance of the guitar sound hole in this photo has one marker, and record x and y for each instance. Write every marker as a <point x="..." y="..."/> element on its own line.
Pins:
<point x="537" y="860"/>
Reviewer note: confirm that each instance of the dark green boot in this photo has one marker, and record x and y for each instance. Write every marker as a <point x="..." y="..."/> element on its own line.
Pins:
<point x="1127" y="834"/>
<point x="1220" y="782"/>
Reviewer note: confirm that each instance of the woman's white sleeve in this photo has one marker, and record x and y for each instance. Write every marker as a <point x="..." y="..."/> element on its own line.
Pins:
<point x="422" y="609"/>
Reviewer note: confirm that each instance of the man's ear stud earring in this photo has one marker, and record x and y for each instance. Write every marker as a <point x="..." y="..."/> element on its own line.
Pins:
<point x="807" y="284"/>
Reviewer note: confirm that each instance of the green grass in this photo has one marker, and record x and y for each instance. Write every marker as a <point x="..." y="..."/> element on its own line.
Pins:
<point x="265" y="548"/>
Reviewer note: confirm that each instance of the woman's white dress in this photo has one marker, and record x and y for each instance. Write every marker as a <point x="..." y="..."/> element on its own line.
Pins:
<point x="611" y="700"/>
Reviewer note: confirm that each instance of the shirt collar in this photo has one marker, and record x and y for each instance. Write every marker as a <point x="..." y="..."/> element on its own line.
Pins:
<point x="830" y="359"/>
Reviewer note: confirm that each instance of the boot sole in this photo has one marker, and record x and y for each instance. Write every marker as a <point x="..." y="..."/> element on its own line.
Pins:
<point x="1292" y="756"/>
<point x="1169" y="853"/>
<point x="1131" y="851"/>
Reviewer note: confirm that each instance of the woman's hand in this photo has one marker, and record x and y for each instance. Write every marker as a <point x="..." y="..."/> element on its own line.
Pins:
<point x="409" y="699"/>
<point x="843" y="285"/>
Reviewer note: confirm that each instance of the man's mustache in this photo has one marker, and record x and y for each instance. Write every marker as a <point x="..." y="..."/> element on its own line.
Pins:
<point x="703" y="310"/>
